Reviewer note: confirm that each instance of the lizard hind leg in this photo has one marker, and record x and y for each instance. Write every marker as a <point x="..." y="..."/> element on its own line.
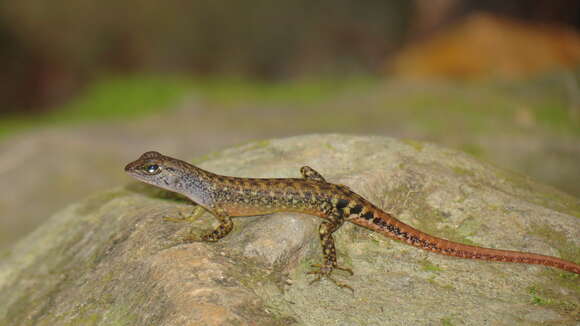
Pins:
<point x="309" y="173"/>
<point x="329" y="264"/>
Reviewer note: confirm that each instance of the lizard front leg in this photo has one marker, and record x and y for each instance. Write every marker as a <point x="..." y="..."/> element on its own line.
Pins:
<point x="224" y="228"/>
<point x="195" y="213"/>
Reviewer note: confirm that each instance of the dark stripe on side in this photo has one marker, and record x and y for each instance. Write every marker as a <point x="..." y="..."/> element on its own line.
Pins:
<point x="368" y="216"/>
<point x="356" y="209"/>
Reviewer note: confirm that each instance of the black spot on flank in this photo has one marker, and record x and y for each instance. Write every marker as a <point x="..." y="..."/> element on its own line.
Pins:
<point x="368" y="215"/>
<point x="357" y="209"/>
<point x="342" y="203"/>
<point x="393" y="229"/>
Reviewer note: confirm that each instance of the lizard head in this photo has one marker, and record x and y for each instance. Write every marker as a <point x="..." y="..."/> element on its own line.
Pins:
<point x="159" y="170"/>
<point x="171" y="174"/>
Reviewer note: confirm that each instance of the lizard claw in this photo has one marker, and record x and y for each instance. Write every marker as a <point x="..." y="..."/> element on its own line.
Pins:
<point x="325" y="271"/>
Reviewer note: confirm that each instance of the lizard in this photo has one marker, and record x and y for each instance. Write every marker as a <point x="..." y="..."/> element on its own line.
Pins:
<point x="226" y="197"/>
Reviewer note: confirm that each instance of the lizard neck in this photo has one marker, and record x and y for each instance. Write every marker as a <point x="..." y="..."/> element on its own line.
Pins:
<point x="194" y="183"/>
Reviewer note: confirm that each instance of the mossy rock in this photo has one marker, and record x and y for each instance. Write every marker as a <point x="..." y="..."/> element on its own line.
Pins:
<point x="112" y="259"/>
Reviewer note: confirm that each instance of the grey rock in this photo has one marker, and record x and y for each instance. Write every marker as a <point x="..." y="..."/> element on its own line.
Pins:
<point x="112" y="260"/>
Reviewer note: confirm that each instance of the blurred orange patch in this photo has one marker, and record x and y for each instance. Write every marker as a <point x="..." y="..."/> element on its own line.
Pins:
<point x="488" y="46"/>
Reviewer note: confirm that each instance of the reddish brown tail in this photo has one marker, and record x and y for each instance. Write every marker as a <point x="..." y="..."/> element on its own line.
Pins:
<point x="389" y="226"/>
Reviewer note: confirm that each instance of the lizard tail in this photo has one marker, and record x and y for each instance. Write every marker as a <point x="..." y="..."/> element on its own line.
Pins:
<point x="389" y="226"/>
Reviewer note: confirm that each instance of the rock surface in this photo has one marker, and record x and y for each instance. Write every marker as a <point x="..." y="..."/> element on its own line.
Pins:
<point x="112" y="260"/>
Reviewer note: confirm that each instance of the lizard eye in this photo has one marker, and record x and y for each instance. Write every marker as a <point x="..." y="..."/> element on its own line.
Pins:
<point x="152" y="169"/>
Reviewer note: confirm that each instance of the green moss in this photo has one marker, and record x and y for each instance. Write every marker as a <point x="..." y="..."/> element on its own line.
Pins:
<point x="4" y="253"/>
<point x="418" y="146"/>
<point x="571" y="277"/>
<point x="89" y="320"/>
<point x="486" y="109"/>
<point x="547" y="295"/>
<point x="537" y="299"/>
<point x="122" y="97"/>
<point x="541" y="194"/>
<point x="428" y="266"/>
<point x="473" y="149"/>
<point x="257" y="144"/>
<point x="448" y="287"/>
<point x="123" y="315"/>
<point x="329" y="146"/>
<point x="566" y="249"/>
<point x="115" y="97"/>
<point x="416" y="201"/>
<point x="111" y="97"/>
<point x="469" y="227"/>
<point x="452" y="234"/>
<point x="446" y="321"/>
<point x="554" y="114"/>
<point x="232" y="90"/>
<point x="463" y="171"/>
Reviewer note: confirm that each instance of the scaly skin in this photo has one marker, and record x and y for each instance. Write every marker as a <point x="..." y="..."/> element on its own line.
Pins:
<point x="225" y="197"/>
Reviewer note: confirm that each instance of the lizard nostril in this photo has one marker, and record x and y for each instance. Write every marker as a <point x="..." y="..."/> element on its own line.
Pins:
<point x="128" y="167"/>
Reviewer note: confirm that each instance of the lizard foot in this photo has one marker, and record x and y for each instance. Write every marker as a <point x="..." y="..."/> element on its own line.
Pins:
<point x="183" y="217"/>
<point x="325" y="271"/>
<point x="195" y="237"/>
<point x="191" y="238"/>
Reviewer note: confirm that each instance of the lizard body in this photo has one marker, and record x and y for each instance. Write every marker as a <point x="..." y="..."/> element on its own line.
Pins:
<point x="225" y="197"/>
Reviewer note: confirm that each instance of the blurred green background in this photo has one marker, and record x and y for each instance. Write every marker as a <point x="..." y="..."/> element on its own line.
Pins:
<point x="87" y="86"/>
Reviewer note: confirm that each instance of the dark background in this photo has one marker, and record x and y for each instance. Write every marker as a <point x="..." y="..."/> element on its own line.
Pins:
<point x="49" y="51"/>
